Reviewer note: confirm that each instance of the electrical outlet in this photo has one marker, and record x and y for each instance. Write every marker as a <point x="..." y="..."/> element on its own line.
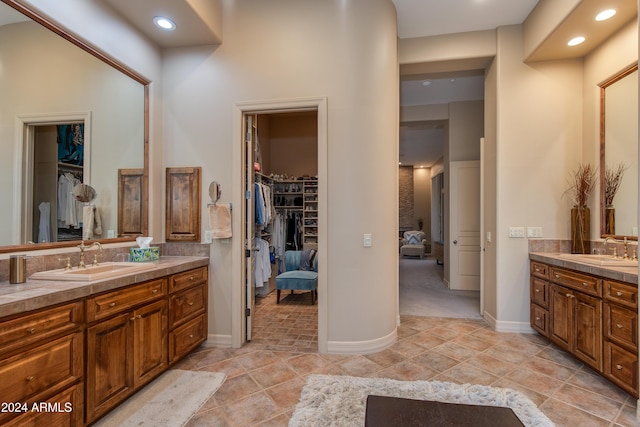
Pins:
<point x="634" y="231"/>
<point x="488" y="237"/>
<point x="366" y="240"/>
<point x="517" y="232"/>
<point x="207" y="236"/>
<point x="534" y="232"/>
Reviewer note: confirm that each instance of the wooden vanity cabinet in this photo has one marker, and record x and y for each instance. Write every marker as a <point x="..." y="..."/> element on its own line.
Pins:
<point x="128" y="348"/>
<point x="591" y="317"/>
<point x="41" y="360"/>
<point x="187" y="312"/>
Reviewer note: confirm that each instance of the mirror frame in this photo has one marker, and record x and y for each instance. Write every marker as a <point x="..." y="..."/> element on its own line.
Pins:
<point x="59" y="30"/>
<point x="624" y="73"/>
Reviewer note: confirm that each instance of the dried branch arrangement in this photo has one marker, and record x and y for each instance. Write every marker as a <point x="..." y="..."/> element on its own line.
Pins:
<point x="581" y="184"/>
<point x="612" y="180"/>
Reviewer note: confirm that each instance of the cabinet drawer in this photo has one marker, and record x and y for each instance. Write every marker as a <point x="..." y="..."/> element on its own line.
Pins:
<point x="23" y="331"/>
<point x="621" y="293"/>
<point x="187" y="279"/>
<point x="540" y="292"/>
<point x="186" y="304"/>
<point x="51" y="366"/>
<point x="621" y="367"/>
<point x="63" y="409"/>
<point x="540" y="319"/>
<point x="539" y="270"/>
<point x="580" y="282"/>
<point x="621" y="326"/>
<point x="118" y="301"/>
<point x="187" y="337"/>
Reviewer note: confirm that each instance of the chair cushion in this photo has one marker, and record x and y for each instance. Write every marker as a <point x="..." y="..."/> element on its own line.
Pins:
<point x="414" y="237"/>
<point x="297" y="280"/>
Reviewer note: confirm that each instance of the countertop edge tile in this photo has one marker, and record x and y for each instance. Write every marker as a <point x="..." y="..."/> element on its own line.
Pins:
<point x="622" y="274"/>
<point x="20" y="298"/>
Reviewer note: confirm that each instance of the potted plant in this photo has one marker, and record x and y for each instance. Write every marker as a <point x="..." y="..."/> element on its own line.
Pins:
<point x="612" y="180"/>
<point x="581" y="184"/>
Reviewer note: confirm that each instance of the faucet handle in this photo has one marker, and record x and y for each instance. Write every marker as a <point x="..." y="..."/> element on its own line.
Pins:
<point x="95" y="260"/>
<point x="68" y="262"/>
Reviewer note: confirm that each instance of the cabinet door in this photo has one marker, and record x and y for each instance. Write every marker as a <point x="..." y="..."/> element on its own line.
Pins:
<point x="588" y="329"/>
<point x="561" y="316"/>
<point x="109" y="369"/>
<point x="150" y="342"/>
<point x="182" y="222"/>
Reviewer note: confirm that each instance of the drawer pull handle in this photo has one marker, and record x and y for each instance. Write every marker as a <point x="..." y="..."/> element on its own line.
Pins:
<point x="139" y="316"/>
<point x="570" y="296"/>
<point x="191" y="336"/>
<point x="619" y="293"/>
<point x="154" y="291"/>
<point x="30" y="378"/>
<point x="619" y="367"/>
<point x="557" y="276"/>
<point x="585" y="284"/>
<point x="537" y="318"/>
<point x="537" y="290"/>
<point x="32" y="330"/>
<point x="618" y="325"/>
<point x="113" y="304"/>
<point x="537" y="269"/>
<point x="191" y="278"/>
<point x="190" y="303"/>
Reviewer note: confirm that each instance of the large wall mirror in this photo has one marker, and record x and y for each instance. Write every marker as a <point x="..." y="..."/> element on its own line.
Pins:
<point x="619" y="147"/>
<point x="67" y="113"/>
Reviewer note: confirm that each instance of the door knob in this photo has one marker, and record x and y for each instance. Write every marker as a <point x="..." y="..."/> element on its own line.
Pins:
<point x="455" y="242"/>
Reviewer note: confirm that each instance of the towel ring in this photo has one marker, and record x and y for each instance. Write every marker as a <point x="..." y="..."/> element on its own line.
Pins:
<point x="214" y="192"/>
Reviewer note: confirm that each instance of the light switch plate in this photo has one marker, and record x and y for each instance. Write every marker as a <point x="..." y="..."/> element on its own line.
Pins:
<point x="366" y="240"/>
<point x="534" y="232"/>
<point x="207" y="236"/>
<point x="516" y="232"/>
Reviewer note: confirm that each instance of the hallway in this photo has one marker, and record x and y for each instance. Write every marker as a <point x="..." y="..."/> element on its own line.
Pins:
<point x="423" y="292"/>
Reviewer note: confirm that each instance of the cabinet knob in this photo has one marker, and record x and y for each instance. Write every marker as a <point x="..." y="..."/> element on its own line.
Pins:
<point x="191" y="336"/>
<point x="32" y="330"/>
<point x="537" y="290"/>
<point x="113" y="304"/>
<point x="154" y="291"/>
<point x="30" y="378"/>
<point x="570" y="296"/>
<point x="619" y="367"/>
<point x="619" y="326"/>
<point x="537" y="318"/>
<point x="190" y="303"/>
<point x="619" y="293"/>
<point x="557" y="276"/>
<point x="585" y="284"/>
<point x="191" y="278"/>
<point x="537" y="269"/>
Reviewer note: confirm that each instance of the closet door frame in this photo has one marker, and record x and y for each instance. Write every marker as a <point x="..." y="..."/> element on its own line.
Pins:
<point x="238" y="293"/>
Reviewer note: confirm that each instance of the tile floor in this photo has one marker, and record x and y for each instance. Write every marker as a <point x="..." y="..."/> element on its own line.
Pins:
<point x="265" y="377"/>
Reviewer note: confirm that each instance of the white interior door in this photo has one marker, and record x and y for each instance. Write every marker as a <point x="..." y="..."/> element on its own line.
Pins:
<point x="249" y="246"/>
<point x="465" y="226"/>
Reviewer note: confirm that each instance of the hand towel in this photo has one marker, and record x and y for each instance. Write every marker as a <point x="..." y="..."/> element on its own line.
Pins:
<point x="87" y="222"/>
<point x="220" y="221"/>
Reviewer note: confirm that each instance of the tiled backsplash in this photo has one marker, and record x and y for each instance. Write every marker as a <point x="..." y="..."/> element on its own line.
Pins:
<point x="564" y="246"/>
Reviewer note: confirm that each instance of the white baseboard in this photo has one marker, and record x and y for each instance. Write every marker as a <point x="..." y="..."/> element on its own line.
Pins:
<point x="503" y="326"/>
<point x="362" y="347"/>
<point x="218" y="341"/>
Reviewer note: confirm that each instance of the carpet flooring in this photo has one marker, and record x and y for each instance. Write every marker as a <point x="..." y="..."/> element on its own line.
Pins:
<point x="423" y="292"/>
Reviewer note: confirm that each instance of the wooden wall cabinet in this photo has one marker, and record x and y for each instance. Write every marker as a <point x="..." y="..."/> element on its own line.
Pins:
<point x="593" y="318"/>
<point x="183" y="196"/>
<point x="133" y="203"/>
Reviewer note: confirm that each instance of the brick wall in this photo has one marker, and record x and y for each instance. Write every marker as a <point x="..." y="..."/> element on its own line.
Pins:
<point x="405" y="197"/>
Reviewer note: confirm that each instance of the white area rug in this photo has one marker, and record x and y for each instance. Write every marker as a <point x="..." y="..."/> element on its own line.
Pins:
<point x="168" y="401"/>
<point x="340" y="401"/>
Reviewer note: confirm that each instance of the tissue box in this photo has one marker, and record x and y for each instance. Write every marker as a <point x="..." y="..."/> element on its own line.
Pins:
<point x="144" y="254"/>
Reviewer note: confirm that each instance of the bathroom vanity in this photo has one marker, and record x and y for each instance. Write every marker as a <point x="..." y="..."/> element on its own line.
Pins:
<point x="72" y="351"/>
<point x="589" y="310"/>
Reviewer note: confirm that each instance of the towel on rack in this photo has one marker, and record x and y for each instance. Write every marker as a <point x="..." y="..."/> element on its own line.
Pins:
<point x="220" y="220"/>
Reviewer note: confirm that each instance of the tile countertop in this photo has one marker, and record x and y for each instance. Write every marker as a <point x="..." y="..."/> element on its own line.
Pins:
<point x="35" y="294"/>
<point x="622" y="274"/>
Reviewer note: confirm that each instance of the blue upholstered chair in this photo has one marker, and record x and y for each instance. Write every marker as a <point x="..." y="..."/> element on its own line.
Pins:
<point x="294" y="279"/>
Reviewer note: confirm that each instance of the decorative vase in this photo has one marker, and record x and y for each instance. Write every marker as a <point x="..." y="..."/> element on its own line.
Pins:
<point x="610" y="220"/>
<point x="580" y="230"/>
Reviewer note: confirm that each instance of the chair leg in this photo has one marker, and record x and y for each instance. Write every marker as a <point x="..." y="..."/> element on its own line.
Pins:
<point x="278" y="296"/>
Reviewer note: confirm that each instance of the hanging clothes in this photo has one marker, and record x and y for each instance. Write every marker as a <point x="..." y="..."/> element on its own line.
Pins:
<point x="44" y="229"/>
<point x="262" y="265"/>
<point x="264" y="207"/>
<point x="69" y="209"/>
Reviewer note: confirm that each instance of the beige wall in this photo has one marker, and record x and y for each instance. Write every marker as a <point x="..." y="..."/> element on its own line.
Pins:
<point x="422" y="199"/>
<point x="283" y="50"/>
<point x="292" y="142"/>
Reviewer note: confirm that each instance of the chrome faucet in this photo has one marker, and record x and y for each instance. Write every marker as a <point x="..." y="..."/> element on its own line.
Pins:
<point x="604" y="245"/>
<point x="82" y="248"/>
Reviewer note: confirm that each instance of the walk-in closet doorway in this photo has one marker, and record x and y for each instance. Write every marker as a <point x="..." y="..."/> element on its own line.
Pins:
<point x="283" y="167"/>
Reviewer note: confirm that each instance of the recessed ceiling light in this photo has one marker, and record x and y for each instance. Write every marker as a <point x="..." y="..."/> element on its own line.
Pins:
<point x="605" y="14"/>
<point x="576" y="41"/>
<point x="164" y="23"/>
<point x="426" y="83"/>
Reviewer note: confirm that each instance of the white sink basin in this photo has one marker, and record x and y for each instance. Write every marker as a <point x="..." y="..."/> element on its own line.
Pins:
<point x="87" y="274"/>
<point x="604" y="260"/>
